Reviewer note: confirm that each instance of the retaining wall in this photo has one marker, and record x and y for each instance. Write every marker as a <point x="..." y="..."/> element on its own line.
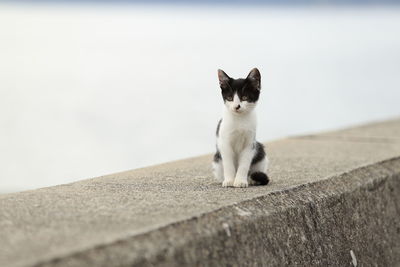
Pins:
<point x="333" y="200"/>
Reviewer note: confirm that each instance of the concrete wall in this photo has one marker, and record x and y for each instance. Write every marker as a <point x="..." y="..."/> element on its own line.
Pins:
<point x="334" y="199"/>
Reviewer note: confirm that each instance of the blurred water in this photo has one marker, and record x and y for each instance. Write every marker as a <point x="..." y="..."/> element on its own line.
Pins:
<point x="86" y="91"/>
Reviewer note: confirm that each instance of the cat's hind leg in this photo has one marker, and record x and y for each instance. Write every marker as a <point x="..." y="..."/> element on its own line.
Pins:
<point x="258" y="172"/>
<point x="218" y="169"/>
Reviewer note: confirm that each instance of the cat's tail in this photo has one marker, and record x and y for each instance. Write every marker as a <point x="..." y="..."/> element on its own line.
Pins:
<point x="260" y="178"/>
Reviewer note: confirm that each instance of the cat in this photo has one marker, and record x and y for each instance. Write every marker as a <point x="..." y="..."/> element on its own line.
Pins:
<point x="239" y="159"/>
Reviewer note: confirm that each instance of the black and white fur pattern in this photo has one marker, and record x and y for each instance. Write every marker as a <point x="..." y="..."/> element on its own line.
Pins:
<point x="239" y="159"/>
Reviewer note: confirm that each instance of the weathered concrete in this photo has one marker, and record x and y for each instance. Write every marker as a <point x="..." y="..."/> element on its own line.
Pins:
<point x="330" y="194"/>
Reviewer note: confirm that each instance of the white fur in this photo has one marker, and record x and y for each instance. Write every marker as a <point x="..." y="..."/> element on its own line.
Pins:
<point x="236" y="144"/>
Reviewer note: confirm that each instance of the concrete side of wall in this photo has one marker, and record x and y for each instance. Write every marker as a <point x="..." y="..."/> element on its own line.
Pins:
<point x="334" y="199"/>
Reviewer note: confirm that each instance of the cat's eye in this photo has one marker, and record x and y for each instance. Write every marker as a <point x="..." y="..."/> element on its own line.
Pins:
<point x="244" y="98"/>
<point x="229" y="98"/>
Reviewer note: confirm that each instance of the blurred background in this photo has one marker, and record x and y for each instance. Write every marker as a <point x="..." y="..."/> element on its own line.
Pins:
<point x="91" y="88"/>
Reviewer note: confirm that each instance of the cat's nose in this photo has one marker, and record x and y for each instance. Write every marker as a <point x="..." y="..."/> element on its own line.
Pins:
<point x="237" y="107"/>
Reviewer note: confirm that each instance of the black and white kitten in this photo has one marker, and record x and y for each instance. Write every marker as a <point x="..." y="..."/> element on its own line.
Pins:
<point x="239" y="157"/>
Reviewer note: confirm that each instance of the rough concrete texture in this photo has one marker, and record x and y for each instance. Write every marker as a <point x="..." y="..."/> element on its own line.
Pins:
<point x="334" y="200"/>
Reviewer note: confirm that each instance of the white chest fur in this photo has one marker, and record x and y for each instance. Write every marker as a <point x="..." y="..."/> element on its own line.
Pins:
<point x="237" y="131"/>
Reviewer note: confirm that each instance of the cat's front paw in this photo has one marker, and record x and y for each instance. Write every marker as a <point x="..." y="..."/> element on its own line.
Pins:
<point x="227" y="183"/>
<point x="240" y="183"/>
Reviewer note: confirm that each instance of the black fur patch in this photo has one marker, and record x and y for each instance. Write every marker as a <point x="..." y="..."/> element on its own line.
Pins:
<point x="218" y="126"/>
<point x="217" y="156"/>
<point x="260" y="153"/>
<point x="260" y="177"/>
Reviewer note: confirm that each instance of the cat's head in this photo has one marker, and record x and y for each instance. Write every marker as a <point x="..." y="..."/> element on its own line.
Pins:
<point x="240" y="95"/>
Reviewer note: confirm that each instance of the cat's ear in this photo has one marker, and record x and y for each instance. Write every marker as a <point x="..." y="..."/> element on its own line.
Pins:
<point x="223" y="78"/>
<point x="255" y="78"/>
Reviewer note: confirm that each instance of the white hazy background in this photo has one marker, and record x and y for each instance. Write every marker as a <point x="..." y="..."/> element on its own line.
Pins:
<point x="91" y="90"/>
